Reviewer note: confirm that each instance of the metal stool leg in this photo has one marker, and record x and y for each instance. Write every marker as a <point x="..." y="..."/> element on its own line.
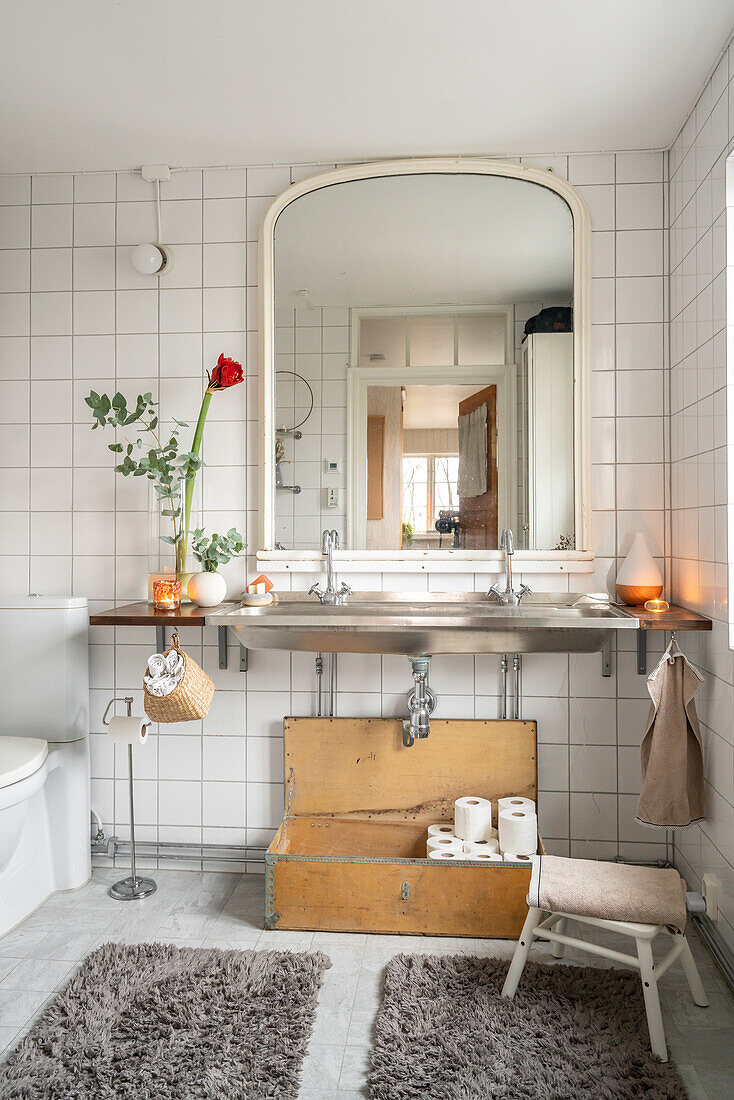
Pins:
<point x="521" y="953"/>
<point x="132" y="888"/>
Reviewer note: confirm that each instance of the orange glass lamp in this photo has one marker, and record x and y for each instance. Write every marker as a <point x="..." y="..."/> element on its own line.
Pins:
<point x="166" y="594"/>
<point x="639" y="578"/>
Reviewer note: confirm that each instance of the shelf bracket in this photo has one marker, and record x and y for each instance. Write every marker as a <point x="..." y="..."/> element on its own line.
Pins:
<point x="160" y="637"/>
<point x="642" y="652"/>
<point x="222" y="644"/>
<point x="606" y="658"/>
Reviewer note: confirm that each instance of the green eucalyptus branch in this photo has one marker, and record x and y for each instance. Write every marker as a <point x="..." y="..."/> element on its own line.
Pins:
<point x="163" y="463"/>
<point x="217" y="550"/>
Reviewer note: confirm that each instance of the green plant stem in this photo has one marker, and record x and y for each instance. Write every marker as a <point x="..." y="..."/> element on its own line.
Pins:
<point x="189" y="490"/>
<point x="169" y="495"/>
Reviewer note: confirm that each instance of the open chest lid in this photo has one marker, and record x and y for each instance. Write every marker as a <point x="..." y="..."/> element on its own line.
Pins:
<point x="359" y="767"/>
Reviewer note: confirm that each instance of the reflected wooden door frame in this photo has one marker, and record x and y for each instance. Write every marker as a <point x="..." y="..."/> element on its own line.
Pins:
<point x="359" y="378"/>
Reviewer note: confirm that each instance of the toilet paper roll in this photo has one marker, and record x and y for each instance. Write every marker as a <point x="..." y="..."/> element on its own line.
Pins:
<point x="443" y="844"/>
<point x="518" y="831"/>
<point x="510" y="857"/>
<point x="439" y="854"/>
<point x="515" y="802"/>
<point x="472" y="817"/>
<point x="484" y="857"/>
<point x="481" y="847"/>
<point x="441" y="828"/>
<point x="128" y="731"/>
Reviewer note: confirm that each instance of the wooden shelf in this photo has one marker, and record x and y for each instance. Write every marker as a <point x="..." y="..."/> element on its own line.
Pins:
<point x="144" y="614"/>
<point x="675" y="618"/>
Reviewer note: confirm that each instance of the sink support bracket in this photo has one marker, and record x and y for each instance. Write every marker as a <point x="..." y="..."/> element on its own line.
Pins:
<point x="642" y="653"/>
<point x="160" y="645"/>
<point x="606" y="658"/>
<point x="222" y="646"/>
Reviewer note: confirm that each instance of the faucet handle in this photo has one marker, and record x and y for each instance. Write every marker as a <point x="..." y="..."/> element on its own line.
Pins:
<point x="314" y="590"/>
<point x="495" y="588"/>
<point x="345" y="589"/>
<point x="524" y="590"/>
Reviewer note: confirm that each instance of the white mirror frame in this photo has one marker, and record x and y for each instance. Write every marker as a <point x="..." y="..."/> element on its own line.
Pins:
<point x="539" y="561"/>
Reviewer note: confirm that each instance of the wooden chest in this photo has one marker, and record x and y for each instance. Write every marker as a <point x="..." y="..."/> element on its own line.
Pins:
<point x="349" y="855"/>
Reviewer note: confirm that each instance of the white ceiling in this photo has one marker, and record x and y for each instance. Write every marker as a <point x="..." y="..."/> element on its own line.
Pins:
<point x="425" y="241"/>
<point x="103" y="84"/>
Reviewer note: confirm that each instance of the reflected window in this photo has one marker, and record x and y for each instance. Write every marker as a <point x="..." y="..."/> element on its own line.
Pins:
<point x="430" y="496"/>
<point x="433" y="338"/>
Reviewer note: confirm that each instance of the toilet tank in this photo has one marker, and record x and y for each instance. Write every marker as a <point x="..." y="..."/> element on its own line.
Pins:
<point x="44" y="668"/>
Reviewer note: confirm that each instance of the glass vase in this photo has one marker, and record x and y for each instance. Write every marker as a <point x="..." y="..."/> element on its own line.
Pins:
<point x="165" y="521"/>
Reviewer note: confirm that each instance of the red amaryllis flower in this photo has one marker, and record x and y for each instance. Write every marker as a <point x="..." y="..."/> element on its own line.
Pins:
<point x="227" y="373"/>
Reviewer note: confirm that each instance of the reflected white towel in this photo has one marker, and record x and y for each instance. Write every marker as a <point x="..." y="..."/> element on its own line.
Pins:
<point x="473" y="453"/>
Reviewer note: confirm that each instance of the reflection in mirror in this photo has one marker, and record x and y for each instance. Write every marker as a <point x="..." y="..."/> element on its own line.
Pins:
<point x="424" y="395"/>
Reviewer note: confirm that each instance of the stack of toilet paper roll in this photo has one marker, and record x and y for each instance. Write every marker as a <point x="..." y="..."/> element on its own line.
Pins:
<point x="517" y="822"/>
<point x="472" y="836"/>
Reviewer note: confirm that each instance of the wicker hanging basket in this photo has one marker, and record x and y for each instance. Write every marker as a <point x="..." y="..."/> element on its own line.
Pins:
<point x="191" y="697"/>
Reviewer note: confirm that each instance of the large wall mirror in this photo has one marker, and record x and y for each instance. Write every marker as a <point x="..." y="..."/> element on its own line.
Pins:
<point x="423" y="361"/>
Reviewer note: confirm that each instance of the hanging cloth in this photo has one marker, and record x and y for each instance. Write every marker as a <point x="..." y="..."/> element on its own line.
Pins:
<point x="672" y="761"/>
<point x="473" y="453"/>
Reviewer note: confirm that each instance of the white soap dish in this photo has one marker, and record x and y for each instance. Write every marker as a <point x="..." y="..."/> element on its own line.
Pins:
<point x="257" y="599"/>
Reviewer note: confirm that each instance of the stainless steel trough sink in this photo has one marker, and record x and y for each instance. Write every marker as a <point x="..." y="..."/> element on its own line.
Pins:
<point x="417" y="625"/>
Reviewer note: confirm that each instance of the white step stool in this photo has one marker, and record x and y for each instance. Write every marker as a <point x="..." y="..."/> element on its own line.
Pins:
<point x="553" y="929"/>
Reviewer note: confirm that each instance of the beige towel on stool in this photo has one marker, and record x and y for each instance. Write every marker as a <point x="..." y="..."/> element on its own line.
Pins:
<point x="672" y="761"/>
<point x="610" y="891"/>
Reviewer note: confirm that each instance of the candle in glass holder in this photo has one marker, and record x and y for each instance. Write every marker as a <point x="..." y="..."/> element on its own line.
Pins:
<point x="657" y="605"/>
<point x="167" y="594"/>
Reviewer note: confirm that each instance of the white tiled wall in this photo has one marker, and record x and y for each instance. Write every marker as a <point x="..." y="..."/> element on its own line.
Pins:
<point x="698" y="391"/>
<point x="75" y="316"/>
<point x="312" y="343"/>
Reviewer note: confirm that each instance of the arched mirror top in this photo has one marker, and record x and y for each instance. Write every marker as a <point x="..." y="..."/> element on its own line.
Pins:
<point x="424" y="366"/>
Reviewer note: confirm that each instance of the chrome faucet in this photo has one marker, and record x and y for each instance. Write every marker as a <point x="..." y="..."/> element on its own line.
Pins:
<point x="507" y="596"/>
<point x="330" y="595"/>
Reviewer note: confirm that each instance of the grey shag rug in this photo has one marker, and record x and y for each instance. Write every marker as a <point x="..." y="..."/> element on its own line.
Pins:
<point x="157" y="1022"/>
<point x="444" y="1033"/>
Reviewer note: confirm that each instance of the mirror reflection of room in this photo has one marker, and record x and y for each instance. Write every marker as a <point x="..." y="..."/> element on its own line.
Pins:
<point x="424" y="365"/>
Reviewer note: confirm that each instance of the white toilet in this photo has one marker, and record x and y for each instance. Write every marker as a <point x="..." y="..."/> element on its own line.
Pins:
<point x="44" y="752"/>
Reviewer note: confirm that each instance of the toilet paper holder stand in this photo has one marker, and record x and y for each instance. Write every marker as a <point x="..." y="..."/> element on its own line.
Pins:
<point x="134" y="887"/>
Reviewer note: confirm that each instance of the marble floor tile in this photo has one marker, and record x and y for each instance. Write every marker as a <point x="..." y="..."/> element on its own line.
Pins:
<point x="37" y="975"/>
<point x="355" y="1065"/>
<point x="225" y="910"/>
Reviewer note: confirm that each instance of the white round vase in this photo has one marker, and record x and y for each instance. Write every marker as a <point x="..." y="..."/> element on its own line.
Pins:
<point x="207" y="589"/>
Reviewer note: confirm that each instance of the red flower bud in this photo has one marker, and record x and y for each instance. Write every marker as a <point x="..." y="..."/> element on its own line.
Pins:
<point x="227" y="373"/>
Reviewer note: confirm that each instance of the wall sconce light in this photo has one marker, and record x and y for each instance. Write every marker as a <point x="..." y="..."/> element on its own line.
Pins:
<point x="154" y="258"/>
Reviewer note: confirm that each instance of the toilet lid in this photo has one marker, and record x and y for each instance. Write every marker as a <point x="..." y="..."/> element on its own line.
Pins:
<point x="20" y="757"/>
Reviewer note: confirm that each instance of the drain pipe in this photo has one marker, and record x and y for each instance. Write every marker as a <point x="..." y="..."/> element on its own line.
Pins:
<point x="421" y="703"/>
